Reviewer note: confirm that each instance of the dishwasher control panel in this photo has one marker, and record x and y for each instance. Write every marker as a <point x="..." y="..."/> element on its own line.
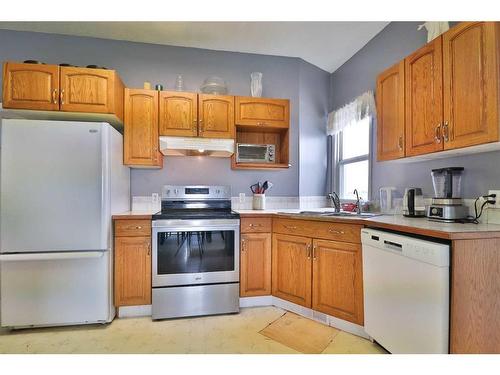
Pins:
<point x="434" y="253"/>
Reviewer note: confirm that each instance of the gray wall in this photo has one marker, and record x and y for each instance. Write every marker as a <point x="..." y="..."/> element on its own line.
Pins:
<point x="139" y="62"/>
<point x="314" y="87"/>
<point x="397" y="40"/>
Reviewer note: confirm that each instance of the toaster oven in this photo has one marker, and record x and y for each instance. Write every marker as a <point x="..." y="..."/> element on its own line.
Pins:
<point x="255" y="153"/>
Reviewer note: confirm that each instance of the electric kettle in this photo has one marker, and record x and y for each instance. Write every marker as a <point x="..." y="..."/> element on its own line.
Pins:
<point x="413" y="203"/>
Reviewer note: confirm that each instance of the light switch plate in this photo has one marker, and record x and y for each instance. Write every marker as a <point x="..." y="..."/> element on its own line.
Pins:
<point x="497" y="204"/>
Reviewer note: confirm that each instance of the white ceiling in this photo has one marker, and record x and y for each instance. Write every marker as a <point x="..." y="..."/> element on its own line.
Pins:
<point x="325" y="44"/>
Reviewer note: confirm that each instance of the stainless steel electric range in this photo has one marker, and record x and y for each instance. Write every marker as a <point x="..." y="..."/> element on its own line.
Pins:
<point x="195" y="253"/>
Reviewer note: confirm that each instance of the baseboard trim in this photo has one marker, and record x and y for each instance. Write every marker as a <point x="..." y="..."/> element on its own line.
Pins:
<point x="256" y="301"/>
<point x="355" y="329"/>
<point x="306" y="312"/>
<point x="134" y="311"/>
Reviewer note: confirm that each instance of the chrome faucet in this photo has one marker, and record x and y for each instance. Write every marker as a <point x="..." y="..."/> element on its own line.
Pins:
<point x="358" y="204"/>
<point x="334" y="198"/>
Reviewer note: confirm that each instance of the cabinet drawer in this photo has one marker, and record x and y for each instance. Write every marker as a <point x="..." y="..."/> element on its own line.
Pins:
<point x="319" y="229"/>
<point x="132" y="228"/>
<point x="256" y="225"/>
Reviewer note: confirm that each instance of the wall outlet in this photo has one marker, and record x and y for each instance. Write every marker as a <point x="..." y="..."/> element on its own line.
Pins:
<point x="497" y="204"/>
<point x="155" y="197"/>
<point x="242" y="197"/>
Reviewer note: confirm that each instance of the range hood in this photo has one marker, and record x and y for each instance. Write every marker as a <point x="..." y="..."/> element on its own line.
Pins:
<point x="193" y="146"/>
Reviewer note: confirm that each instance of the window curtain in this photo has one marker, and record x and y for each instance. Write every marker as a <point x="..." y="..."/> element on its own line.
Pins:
<point x="339" y="119"/>
<point x="351" y="113"/>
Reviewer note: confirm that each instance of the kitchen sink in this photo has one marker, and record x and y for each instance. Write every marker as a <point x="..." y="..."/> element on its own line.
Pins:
<point x="338" y="214"/>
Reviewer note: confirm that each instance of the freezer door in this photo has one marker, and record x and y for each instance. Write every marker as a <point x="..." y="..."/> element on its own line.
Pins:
<point x="53" y="185"/>
<point x="46" y="289"/>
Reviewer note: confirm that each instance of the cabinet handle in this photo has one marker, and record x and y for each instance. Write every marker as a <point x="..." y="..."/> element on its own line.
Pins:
<point x="138" y="227"/>
<point x="254" y="225"/>
<point x="54" y="96"/>
<point x="290" y="227"/>
<point x="261" y="123"/>
<point x="309" y="251"/>
<point x="446" y="132"/>
<point x="437" y="135"/>
<point x="314" y="252"/>
<point x="61" y="96"/>
<point x="242" y="245"/>
<point x="400" y="143"/>
<point x="149" y="249"/>
<point x="336" y="231"/>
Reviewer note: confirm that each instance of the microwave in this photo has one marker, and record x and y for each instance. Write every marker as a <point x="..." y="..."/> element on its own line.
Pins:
<point x="253" y="153"/>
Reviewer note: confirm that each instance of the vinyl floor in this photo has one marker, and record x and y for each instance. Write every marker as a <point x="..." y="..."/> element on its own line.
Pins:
<point x="239" y="333"/>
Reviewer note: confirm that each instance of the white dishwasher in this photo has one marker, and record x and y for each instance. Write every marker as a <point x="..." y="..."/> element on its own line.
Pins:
<point x="406" y="292"/>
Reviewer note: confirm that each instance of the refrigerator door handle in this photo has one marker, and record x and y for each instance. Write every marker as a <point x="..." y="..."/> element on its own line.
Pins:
<point x="50" y="256"/>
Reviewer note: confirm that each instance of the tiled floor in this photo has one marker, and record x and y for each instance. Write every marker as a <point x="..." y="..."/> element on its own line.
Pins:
<point x="215" y="334"/>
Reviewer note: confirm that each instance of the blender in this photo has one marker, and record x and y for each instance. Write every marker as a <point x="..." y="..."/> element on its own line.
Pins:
<point x="447" y="204"/>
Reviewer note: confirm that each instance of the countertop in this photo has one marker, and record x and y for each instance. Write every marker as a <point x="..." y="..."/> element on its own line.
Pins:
<point x="137" y="215"/>
<point x="420" y="226"/>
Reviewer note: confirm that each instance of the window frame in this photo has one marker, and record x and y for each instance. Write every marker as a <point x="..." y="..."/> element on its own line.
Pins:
<point x="339" y="162"/>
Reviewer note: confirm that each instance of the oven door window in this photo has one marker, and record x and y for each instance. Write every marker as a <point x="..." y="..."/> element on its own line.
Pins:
<point x="195" y="252"/>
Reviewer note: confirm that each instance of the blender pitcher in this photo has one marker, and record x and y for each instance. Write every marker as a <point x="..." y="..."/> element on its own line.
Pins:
<point x="447" y="182"/>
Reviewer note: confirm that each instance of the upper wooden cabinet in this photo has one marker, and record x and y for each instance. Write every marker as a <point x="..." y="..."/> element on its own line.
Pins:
<point x="67" y="89"/>
<point x="190" y="115"/>
<point x="452" y="94"/>
<point x="178" y="113"/>
<point x="141" y="148"/>
<point x="262" y="112"/>
<point x="90" y="90"/>
<point x="31" y="86"/>
<point x="391" y="113"/>
<point x="470" y="65"/>
<point x="255" y="275"/>
<point x="216" y="116"/>
<point x="424" y="99"/>
<point x="291" y="268"/>
<point x="338" y="280"/>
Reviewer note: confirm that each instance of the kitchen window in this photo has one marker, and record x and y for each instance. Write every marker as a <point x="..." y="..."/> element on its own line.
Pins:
<point x="352" y="169"/>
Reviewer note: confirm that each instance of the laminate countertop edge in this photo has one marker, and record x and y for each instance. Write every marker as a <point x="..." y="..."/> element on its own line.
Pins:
<point x="418" y="226"/>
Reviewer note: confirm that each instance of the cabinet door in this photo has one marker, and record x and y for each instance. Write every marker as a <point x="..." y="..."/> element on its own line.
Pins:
<point x="31" y="86"/>
<point x="291" y="268"/>
<point x="262" y="112"/>
<point x="87" y="90"/>
<point x="255" y="258"/>
<point x="141" y="146"/>
<point x="178" y="113"/>
<point x="216" y="116"/>
<point x="424" y="99"/>
<point x="391" y="113"/>
<point x="470" y="84"/>
<point x="338" y="280"/>
<point x="132" y="271"/>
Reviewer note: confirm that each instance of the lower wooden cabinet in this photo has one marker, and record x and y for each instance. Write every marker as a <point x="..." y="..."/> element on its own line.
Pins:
<point x="132" y="273"/>
<point x="255" y="264"/>
<point x="338" y="280"/>
<point x="324" y="275"/>
<point x="291" y="268"/>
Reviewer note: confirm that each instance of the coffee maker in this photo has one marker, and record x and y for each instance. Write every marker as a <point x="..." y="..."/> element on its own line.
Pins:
<point x="413" y="203"/>
<point x="447" y="205"/>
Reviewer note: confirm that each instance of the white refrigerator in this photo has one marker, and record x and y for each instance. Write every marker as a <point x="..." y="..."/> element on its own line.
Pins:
<point x="60" y="182"/>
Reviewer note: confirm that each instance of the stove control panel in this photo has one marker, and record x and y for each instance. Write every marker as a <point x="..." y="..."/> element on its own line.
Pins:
<point x="198" y="192"/>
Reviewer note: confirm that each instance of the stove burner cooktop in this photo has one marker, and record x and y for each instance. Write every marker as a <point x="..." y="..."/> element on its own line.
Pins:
<point x="195" y="202"/>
